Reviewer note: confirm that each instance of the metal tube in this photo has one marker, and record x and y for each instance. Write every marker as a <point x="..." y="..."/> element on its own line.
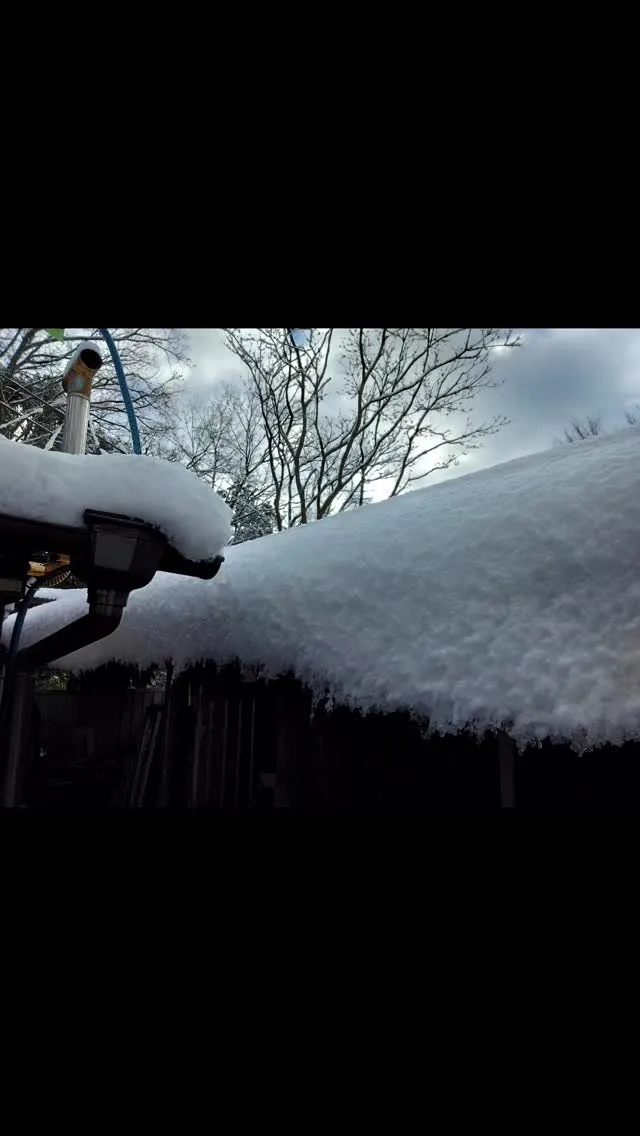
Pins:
<point x="77" y="382"/>
<point x="76" y="424"/>
<point x="81" y="633"/>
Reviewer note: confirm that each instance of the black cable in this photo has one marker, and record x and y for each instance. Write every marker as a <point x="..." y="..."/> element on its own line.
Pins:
<point x="52" y="578"/>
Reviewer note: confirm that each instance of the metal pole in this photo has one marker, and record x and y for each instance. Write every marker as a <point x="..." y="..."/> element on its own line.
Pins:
<point x="77" y="382"/>
<point x="76" y="424"/>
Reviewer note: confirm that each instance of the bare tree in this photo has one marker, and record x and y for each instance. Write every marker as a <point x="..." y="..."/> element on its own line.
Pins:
<point x="31" y="397"/>
<point x="591" y="426"/>
<point x="343" y="411"/>
<point x="219" y="436"/>
<point x="221" y="440"/>
<point x="583" y="428"/>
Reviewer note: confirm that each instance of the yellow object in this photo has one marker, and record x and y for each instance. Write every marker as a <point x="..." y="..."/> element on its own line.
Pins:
<point x="79" y="379"/>
<point x="37" y="569"/>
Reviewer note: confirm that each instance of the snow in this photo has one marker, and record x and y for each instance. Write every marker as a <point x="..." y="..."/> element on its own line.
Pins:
<point x="44" y="596"/>
<point x="57" y="487"/>
<point x="505" y="597"/>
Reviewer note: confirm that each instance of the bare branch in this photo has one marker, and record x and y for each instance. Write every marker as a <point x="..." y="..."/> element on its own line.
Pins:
<point x="346" y="410"/>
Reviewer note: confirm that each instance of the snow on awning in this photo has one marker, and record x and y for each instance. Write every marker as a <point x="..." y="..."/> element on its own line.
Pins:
<point x="43" y="486"/>
<point x="509" y="596"/>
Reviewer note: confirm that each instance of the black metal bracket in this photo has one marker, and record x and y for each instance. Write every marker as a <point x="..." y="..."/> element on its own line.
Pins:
<point x="113" y="554"/>
<point x="20" y="538"/>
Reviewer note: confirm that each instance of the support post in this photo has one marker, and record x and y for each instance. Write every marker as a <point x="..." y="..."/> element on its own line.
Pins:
<point x="18" y="737"/>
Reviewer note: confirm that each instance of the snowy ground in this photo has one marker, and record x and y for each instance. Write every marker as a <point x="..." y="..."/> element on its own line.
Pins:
<point x="508" y="596"/>
<point x="44" y="486"/>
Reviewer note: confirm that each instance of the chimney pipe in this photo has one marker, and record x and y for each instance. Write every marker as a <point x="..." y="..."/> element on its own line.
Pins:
<point x="77" y="381"/>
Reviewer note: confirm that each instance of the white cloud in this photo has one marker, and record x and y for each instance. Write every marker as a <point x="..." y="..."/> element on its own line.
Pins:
<point x="558" y="374"/>
<point x="212" y="361"/>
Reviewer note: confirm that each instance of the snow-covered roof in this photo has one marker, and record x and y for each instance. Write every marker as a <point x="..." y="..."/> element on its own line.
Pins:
<point x="40" y="485"/>
<point x="507" y="596"/>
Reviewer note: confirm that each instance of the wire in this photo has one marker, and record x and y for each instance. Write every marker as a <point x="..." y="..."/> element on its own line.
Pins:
<point x="6" y="691"/>
<point x="124" y="389"/>
<point x="55" y="577"/>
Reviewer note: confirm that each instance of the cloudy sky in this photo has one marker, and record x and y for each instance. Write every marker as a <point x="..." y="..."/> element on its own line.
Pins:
<point x="558" y="374"/>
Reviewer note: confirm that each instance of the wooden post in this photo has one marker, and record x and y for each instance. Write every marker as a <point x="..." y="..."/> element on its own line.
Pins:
<point x="194" y="772"/>
<point x="293" y="719"/>
<point x="165" y="764"/>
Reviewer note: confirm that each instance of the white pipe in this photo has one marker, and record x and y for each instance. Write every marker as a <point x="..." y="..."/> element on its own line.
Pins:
<point x="74" y="439"/>
<point x="77" y="382"/>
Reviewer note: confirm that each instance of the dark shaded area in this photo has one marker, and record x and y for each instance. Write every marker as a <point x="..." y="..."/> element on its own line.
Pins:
<point x="82" y="746"/>
<point x="228" y="743"/>
<point x="554" y="780"/>
<point x="383" y="764"/>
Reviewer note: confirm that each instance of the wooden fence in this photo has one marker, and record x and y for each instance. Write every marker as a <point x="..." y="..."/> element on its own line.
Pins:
<point x="229" y="744"/>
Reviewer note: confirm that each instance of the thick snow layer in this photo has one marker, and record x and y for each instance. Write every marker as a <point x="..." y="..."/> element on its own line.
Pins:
<point x="509" y="596"/>
<point x="44" y="486"/>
